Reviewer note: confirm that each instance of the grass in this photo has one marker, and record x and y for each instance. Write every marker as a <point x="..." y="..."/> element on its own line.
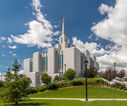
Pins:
<point x="70" y="103"/>
<point x="76" y="92"/>
<point x="79" y="92"/>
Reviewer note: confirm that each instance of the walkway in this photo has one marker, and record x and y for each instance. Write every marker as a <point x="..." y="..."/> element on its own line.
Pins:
<point x="77" y="99"/>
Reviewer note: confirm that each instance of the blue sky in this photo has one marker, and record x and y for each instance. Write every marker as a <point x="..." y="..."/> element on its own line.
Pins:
<point x="87" y="25"/>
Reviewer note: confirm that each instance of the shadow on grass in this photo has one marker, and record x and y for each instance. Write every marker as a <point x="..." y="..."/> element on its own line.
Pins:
<point x="27" y="104"/>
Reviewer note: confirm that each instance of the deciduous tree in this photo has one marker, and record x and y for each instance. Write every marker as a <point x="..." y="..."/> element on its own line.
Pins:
<point x="69" y="74"/>
<point x="45" y="78"/>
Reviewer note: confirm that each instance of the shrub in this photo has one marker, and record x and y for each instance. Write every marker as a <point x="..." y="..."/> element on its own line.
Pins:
<point x="91" y="72"/>
<point x="63" y="84"/>
<point x="1" y="83"/>
<point x="52" y="86"/>
<point x="14" y="91"/>
<point x="121" y="74"/>
<point x="45" y="79"/>
<point x="31" y="91"/>
<point x="42" y="88"/>
<point x="69" y="74"/>
<point x="109" y="74"/>
<point x="77" y="82"/>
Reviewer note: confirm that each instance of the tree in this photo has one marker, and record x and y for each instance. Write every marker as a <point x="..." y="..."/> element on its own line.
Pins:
<point x="25" y="82"/>
<point x="1" y="83"/>
<point x="14" y="91"/>
<point x="15" y="68"/>
<point x="109" y="74"/>
<point x="121" y="74"/>
<point x="69" y="74"/>
<point x="91" y="72"/>
<point x="45" y="79"/>
<point x="57" y="78"/>
<point x="8" y="75"/>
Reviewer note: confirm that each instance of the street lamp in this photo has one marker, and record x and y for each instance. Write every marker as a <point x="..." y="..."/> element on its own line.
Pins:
<point x="1" y="77"/>
<point x="86" y="63"/>
<point x="65" y="67"/>
<point x="114" y="66"/>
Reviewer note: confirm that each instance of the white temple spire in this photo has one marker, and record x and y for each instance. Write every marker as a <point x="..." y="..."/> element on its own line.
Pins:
<point x="63" y="30"/>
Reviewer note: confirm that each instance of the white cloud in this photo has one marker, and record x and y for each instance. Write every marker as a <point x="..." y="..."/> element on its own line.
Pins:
<point x="40" y="31"/>
<point x="93" y="47"/>
<point x="114" y="26"/>
<point x="3" y="38"/>
<point x="9" y="40"/>
<point x="3" y="55"/>
<point x="12" y="47"/>
<point x="10" y="52"/>
<point x="13" y="54"/>
<point x="3" y="46"/>
<point x="106" y="58"/>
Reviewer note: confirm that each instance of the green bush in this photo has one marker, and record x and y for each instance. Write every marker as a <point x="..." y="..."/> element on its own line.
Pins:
<point x="31" y="91"/>
<point x="52" y="86"/>
<point x="77" y="82"/>
<point x="63" y="84"/>
<point x="69" y="74"/>
<point x="57" y="78"/>
<point x="46" y="79"/>
<point x="96" y="82"/>
<point x="1" y="83"/>
<point x="118" y="86"/>
<point x="42" y="88"/>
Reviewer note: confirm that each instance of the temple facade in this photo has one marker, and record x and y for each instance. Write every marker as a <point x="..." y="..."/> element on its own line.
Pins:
<point x="57" y="60"/>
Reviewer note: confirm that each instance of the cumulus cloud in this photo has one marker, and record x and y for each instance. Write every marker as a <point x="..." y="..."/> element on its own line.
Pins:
<point x="2" y="38"/>
<point x="3" y="46"/>
<point x="12" y="47"/>
<point x="9" y="40"/>
<point x="40" y="31"/>
<point x="10" y="52"/>
<point x="3" y="55"/>
<point x="114" y="26"/>
<point x="93" y="47"/>
<point x="13" y="54"/>
<point x="105" y="57"/>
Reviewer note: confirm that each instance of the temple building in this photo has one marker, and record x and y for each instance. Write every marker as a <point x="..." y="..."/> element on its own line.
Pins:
<point x="57" y="60"/>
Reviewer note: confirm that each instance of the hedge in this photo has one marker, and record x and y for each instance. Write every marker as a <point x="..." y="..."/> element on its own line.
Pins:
<point x="76" y="82"/>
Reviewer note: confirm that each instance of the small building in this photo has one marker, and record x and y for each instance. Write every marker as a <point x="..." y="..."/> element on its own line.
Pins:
<point x="57" y="60"/>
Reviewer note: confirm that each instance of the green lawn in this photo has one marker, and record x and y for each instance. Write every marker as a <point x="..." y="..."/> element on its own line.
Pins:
<point x="79" y="92"/>
<point x="70" y="103"/>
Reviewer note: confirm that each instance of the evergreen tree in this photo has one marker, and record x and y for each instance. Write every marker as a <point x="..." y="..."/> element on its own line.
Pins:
<point x="15" y="68"/>
<point x="8" y="75"/>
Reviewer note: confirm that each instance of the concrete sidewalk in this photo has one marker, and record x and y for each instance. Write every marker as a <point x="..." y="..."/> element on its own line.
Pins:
<point x="80" y="99"/>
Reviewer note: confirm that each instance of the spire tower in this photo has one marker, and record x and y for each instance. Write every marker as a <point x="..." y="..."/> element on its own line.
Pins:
<point x="63" y="30"/>
<point x="63" y="40"/>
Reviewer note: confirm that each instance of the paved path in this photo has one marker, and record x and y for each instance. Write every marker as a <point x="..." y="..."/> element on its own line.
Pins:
<point x="77" y="99"/>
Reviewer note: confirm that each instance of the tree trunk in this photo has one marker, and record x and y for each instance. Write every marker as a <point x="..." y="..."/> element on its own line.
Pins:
<point x="16" y="102"/>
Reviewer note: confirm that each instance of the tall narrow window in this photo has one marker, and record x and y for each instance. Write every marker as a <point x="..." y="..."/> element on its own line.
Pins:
<point x="82" y="62"/>
<point x="45" y="64"/>
<point x="31" y="66"/>
<point x="61" y="61"/>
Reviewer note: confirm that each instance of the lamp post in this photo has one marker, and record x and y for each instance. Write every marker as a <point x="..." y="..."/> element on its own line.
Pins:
<point x="86" y="63"/>
<point x="65" y="67"/>
<point x="114" y="66"/>
<point x="1" y="77"/>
